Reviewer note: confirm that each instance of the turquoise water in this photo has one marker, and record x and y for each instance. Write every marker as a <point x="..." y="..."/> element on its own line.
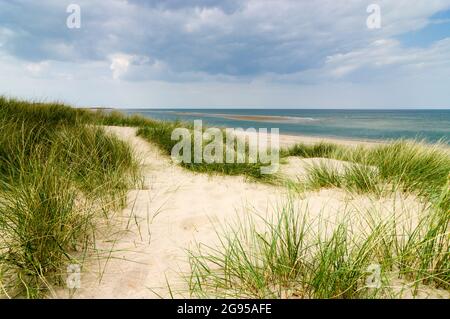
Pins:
<point x="431" y="125"/>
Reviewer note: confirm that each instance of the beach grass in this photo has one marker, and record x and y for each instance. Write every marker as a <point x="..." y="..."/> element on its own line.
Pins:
<point x="408" y="166"/>
<point x="160" y="134"/>
<point x="320" y="149"/>
<point x="291" y="257"/>
<point x="296" y="256"/>
<point x="412" y="166"/>
<point x="59" y="169"/>
<point x="117" y="118"/>
<point x="57" y="173"/>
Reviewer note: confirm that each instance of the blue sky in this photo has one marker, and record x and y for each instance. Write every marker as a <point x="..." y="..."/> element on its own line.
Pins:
<point x="228" y="53"/>
<point x="438" y="28"/>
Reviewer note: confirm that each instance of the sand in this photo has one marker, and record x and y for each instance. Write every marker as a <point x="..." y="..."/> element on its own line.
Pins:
<point x="287" y="140"/>
<point x="177" y="208"/>
<point x="144" y="247"/>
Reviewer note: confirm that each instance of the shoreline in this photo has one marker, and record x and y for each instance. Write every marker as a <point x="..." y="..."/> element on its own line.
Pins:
<point x="287" y="140"/>
<point x="281" y="119"/>
<point x="292" y="137"/>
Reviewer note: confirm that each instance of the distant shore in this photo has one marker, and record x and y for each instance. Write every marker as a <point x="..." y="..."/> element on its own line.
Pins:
<point x="351" y="125"/>
<point x="286" y="139"/>
<point x="289" y="140"/>
<point x="98" y="108"/>
<point x="256" y="118"/>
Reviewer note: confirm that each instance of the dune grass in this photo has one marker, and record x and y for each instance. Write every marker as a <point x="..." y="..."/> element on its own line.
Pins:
<point x="160" y="134"/>
<point x="417" y="166"/>
<point x="412" y="166"/>
<point x="355" y="178"/>
<point x="291" y="258"/>
<point x="117" y="118"/>
<point x="407" y="166"/>
<point x="295" y="256"/>
<point x="57" y="172"/>
<point x="320" y="149"/>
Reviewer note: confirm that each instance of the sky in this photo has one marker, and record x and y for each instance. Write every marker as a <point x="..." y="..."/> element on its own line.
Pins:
<point x="227" y="53"/>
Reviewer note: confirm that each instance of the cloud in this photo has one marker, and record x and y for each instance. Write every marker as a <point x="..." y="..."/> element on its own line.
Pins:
<point x="386" y="56"/>
<point x="37" y="68"/>
<point x="261" y="43"/>
<point x="237" y="38"/>
<point x="120" y="64"/>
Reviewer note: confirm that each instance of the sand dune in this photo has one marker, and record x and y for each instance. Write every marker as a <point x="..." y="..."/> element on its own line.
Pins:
<point x="296" y="169"/>
<point x="143" y="248"/>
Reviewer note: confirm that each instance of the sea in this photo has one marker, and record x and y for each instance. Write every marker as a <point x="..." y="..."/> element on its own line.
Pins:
<point x="428" y="125"/>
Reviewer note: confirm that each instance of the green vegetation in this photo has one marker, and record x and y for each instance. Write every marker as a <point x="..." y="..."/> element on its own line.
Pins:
<point x="160" y="134"/>
<point x="321" y="149"/>
<point x="354" y="178"/>
<point x="407" y="166"/>
<point x="60" y="172"/>
<point x="116" y="118"/>
<point x="292" y="257"/>
<point x="296" y="256"/>
<point x="57" y="172"/>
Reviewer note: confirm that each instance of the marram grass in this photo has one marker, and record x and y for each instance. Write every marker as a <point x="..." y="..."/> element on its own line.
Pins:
<point x="288" y="259"/>
<point x="57" y="172"/>
<point x="58" y="169"/>
<point x="407" y="166"/>
<point x="294" y="256"/>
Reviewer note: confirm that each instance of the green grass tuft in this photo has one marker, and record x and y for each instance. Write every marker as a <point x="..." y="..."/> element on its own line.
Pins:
<point x="293" y="256"/>
<point x="57" y="172"/>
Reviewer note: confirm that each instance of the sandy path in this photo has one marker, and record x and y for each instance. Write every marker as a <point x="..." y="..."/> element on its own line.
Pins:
<point x="176" y="208"/>
<point x="147" y="242"/>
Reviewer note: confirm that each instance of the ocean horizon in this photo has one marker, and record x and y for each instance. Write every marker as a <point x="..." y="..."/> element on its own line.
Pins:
<point x="429" y="125"/>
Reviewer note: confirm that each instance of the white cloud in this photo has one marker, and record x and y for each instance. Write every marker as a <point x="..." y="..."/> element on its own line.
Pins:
<point x="5" y="35"/>
<point x="37" y="69"/>
<point x="250" y="52"/>
<point x="206" y="18"/>
<point x="388" y="57"/>
<point x="120" y="64"/>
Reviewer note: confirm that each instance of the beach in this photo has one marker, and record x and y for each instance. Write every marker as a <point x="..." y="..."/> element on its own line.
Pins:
<point x="142" y="250"/>
<point x="233" y="155"/>
<point x="99" y="205"/>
